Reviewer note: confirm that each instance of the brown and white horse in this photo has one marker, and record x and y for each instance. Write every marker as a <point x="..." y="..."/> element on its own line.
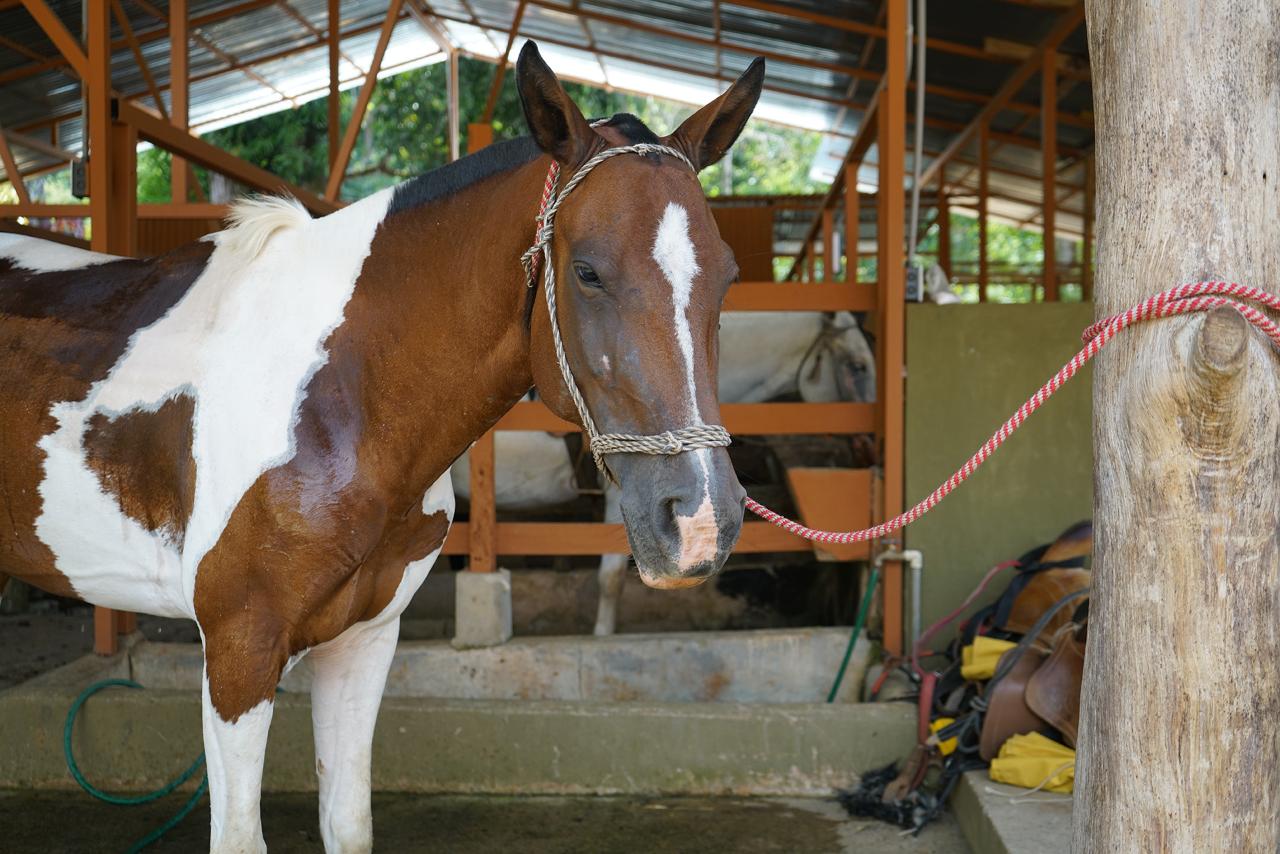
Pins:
<point x="255" y="430"/>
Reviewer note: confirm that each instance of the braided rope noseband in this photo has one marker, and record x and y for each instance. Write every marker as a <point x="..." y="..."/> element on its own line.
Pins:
<point x="669" y="443"/>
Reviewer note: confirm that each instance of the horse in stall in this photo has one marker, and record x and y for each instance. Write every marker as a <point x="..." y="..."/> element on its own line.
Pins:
<point x="763" y="356"/>
<point x="254" y="431"/>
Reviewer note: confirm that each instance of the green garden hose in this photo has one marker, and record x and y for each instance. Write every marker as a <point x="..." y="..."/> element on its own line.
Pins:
<point x="857" y="630"/>
<point x="134" y="800"/>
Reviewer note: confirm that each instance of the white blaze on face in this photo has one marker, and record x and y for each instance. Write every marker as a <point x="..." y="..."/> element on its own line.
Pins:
<point x="673" y="250"/>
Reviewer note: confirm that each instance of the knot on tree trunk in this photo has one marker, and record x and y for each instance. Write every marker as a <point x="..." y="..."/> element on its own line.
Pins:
<point x="1219" y="358"/>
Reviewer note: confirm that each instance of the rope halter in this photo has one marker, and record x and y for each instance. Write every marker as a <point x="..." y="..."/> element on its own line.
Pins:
<point x="669" y="443"/>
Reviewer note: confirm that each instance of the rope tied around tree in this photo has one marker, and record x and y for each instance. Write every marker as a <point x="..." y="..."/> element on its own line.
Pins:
<point x="1184" y="299"/>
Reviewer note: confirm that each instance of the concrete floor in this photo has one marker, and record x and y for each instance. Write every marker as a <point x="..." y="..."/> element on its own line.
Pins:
<point x="50" y="822"/>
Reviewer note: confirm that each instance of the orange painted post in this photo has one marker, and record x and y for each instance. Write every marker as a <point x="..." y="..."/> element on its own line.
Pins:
<point x="453" y="105"/>
<point x="495" y="89"/>
<point x="484" y="510"/>
<point x="106" y="639"/>
<point x="123" y="199"/>
<point x="1049" y="167"/>
<point x="891" y="271"/>
<point x="126" y="622"/>
<point x="99" y="105"/>
<point x="335" y="116"/>
<point x="851" y="217"/>
<point x="479" y="134"/>
<point x="179" y="80"/>
<point x="338" y="169"/>
<point x="984" y="169"/>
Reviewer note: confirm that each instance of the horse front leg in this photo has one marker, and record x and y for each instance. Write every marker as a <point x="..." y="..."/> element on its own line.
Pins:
<point x="612" y="572"/>
<point x="349" y="675"/>
<point x="243" y="662"/>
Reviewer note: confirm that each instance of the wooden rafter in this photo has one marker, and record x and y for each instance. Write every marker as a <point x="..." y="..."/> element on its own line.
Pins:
<point x="339" y="169"/>
<point x="195" y="149"/>
<point x="867" y="133"/>
<point x="332" y="40"/>
<point x="1063" y="27"/>
<point x="11" y="171"/>
<point x="1049" y="162"/>
<point x="288" y="9"/>
<point x="67" y="44"/>
<point x="125" y="27"/>
<point x="501" y="71"/>
<point x="56" y="62"/>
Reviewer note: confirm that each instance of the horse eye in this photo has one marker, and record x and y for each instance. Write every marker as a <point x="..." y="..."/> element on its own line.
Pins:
<point x="586" y="275"/>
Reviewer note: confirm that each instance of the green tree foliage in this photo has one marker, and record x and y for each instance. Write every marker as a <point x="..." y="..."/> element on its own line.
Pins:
<point x="405" y="133"/>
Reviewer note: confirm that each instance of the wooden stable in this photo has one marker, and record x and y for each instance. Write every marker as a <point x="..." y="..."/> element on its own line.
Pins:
<point x="118" y="121"/>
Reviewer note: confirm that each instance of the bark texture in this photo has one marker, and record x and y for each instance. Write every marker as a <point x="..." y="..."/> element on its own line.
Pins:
<point x="1181" y="701"/>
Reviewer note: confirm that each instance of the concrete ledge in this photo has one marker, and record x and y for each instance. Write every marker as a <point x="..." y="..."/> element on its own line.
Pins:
<point x="991" y="822"/>
<point x="132" y="740"/>
<point x="769" y="666"/>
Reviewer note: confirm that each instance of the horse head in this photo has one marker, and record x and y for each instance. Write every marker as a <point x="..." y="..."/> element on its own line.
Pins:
<point x="839" y="365"/>
<point x="640" y="273"/>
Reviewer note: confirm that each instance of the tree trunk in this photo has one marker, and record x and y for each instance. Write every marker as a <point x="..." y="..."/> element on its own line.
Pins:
<point x="1181" y="702"/>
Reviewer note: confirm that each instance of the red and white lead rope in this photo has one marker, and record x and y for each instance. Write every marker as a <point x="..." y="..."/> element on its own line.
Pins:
<point x="1184" y="299"/>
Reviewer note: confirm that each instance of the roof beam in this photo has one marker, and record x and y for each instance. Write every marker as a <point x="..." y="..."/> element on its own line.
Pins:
<point x="138" y="58"/>
<point x="501" y="71"/>
<point x="11" y="171"/>
<point x="339" y="169"/>
<point x="871" y="30"/>
<point x="431" y="26"/>
<point x="67" y="44"/>
<point x="868" y="131"/>
<point x="55" y="62"/>
<point x="1063" y="27"/>
<point x="642" y="26"/>
<point x="193" y="148"/>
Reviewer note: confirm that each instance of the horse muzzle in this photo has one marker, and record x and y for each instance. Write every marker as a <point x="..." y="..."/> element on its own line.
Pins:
<point x="683" y="514"/>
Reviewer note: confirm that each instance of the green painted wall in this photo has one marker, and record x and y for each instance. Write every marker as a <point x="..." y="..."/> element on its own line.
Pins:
<point x="968" y="368"/>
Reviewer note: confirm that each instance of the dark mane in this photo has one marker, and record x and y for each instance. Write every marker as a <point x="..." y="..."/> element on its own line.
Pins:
<point x="499" y="157"/>
<point x="631" y="128"/>
<point x="449" y="179"/>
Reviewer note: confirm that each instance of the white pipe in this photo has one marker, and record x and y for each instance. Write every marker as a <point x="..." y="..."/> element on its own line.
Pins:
<point x="914" y="559"/>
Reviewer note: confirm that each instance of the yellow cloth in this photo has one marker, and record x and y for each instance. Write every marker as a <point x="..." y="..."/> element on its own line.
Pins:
<point x="978" y="659"/>
<point x="1034" y="761"/>
<point x="946" y="748"/>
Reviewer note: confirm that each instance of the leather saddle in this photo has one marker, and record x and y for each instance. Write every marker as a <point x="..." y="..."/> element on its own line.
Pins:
<point x="1036" y="687"/>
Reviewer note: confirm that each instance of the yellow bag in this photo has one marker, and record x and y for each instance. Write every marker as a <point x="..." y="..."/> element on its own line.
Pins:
<point x="978" y="659"/>
<point x="1034" y="761"/>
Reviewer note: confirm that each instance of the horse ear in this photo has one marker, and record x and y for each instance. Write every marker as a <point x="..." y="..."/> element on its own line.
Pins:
<point x="555" y="122"/>
<point x="707" y="134"/>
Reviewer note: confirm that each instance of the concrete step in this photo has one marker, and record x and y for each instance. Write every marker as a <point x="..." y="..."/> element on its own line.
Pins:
<point x="1000" y="819"/>
<point x="130" y="740"/>
<point x="765" y="666"/>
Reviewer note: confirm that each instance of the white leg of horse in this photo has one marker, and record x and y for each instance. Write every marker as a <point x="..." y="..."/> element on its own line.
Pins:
<point x="613" y="570"/>
<point x="234" y="753"/>
<point x="350" y="673"/>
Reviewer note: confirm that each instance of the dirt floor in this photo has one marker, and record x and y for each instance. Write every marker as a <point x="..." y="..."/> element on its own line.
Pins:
<point x="35" y="643"/>
<point x="72" y="822"/>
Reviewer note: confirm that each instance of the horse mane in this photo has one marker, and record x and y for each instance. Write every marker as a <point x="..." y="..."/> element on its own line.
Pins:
<point x="490" y="160"/>
<point x="252" y="221"/>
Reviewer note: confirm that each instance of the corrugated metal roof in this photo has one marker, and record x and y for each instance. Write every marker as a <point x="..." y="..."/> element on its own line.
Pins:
<point x="661" y="47"/>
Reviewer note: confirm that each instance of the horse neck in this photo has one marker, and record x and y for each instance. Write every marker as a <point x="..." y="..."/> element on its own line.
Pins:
<point x="444" y="317"/>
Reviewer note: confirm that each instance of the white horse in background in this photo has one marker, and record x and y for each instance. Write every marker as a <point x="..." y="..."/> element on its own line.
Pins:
<point x="763" y="356"/>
